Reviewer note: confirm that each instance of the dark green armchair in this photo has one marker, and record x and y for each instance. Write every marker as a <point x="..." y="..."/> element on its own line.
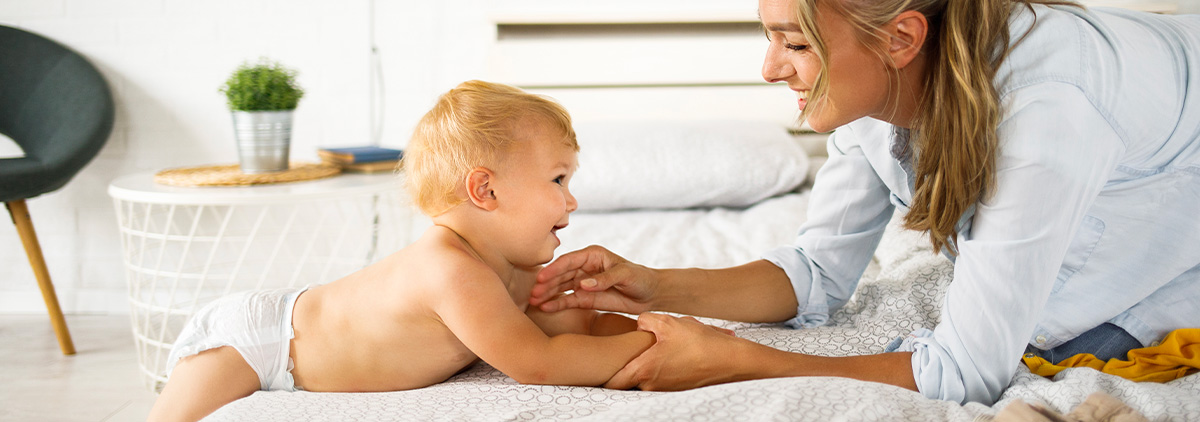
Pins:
<point x="59" y="109"/>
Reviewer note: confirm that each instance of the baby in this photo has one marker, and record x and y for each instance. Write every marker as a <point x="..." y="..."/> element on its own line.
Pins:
<point x="490" y="164"/>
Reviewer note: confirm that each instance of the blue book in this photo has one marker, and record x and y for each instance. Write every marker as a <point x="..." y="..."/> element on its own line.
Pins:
<point x="352" y="155"/>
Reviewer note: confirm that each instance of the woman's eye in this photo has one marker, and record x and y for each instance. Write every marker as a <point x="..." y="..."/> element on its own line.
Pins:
<point x="787" y="45"/>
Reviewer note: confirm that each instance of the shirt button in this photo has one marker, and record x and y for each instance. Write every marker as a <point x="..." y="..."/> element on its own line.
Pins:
<point x="1040" y="339"/>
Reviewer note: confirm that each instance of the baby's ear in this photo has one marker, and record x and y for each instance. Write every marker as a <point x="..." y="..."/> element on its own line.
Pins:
<point x="479" y="188"/>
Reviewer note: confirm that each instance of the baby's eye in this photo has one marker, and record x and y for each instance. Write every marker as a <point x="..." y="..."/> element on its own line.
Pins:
<point x="559" y="179"/>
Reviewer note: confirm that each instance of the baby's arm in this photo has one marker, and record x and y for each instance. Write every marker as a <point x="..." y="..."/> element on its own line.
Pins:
<point x="477" y="308"/>
<point x="581" y="321"/>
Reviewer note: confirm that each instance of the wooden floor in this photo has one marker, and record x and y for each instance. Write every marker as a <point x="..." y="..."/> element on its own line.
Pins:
<point x="100" y="382"/>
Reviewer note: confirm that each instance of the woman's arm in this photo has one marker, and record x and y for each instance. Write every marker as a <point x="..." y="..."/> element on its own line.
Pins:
<point x="689" y="355"/>
<point x="849" y="209"/>
<point x="1058" y="154"/>
<point x="754" y="292"/>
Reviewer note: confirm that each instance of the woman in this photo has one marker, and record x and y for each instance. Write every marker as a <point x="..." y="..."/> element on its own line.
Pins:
<point x="1052" y="151"/>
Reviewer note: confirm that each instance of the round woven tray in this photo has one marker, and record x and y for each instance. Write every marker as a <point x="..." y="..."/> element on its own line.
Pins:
<point x="231" y="175"/>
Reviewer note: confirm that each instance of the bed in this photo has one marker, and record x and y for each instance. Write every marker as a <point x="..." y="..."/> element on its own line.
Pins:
<point x="700" y="167"/>
<point x="901" y="291"/>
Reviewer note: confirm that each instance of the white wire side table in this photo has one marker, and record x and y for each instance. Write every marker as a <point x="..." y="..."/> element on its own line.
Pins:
<point x="187" y="246"/>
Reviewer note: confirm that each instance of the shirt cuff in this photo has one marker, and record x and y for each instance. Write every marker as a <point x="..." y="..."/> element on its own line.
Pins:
<point x="812" y="309"/>
<point x="937" y="373"/>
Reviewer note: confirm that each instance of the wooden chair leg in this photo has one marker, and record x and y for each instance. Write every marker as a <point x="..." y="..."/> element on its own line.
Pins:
<point x="20" y="216"/>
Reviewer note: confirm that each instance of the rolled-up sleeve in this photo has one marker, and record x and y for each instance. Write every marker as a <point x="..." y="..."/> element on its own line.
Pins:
<point x="848" y="211"/>
<point x="1057" y="152"/>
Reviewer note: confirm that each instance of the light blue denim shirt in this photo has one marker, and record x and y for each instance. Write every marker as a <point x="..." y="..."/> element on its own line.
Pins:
<point x="1095" y="216"/>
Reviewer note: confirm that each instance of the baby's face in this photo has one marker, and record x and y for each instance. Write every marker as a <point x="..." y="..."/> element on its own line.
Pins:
<point x="532" y="189"/>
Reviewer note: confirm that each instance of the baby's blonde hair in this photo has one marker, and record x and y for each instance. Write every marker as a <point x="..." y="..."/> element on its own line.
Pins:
<point x="469" y="127"/>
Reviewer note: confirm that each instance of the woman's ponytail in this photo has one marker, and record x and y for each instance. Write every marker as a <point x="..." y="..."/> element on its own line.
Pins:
<point x="955" y="137"/>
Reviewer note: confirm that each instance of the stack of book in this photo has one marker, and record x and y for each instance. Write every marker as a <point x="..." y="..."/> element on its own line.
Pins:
<point x="368" y="159"/>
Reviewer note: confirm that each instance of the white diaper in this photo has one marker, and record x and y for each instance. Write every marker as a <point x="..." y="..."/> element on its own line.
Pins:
<point x="258" y="324"/>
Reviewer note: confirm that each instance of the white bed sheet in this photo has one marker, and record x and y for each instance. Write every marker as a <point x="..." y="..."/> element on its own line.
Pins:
<point x="901" y="291"/>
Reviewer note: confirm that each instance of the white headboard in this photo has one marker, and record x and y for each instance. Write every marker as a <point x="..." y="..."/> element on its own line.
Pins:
<point x="651" y="59"/>
<point x="639" y="59"/>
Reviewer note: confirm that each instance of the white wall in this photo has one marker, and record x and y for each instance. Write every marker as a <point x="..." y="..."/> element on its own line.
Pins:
<point x="165" y="60"/>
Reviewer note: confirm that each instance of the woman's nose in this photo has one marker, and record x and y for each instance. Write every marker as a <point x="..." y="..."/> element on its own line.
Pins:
<point x="775" y="70"/>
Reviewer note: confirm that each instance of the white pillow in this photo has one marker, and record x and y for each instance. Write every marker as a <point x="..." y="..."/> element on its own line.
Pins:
<point x="684" y="164"/>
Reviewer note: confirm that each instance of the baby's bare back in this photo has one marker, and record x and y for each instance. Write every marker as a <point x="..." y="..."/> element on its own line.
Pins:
<point x="375" y="331"/>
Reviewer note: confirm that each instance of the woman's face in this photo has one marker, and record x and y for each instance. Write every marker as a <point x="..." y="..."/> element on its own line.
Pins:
<point x="858" y="78"/>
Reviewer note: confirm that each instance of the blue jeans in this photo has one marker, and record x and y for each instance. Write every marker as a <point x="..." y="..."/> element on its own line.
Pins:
<point x="1106" y="342"/>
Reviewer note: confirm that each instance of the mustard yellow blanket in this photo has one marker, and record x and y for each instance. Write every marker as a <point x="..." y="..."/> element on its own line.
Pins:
<point x="1177" y="356"/>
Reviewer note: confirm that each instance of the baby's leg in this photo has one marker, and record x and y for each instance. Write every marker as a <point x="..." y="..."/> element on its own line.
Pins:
<point x="202" y="383"/>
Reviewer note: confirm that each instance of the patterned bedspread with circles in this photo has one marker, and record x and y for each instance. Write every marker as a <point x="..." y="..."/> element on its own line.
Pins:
<point x="900" y="292"/>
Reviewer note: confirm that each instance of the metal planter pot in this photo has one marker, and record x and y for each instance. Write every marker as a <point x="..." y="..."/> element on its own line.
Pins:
<point x="263" y="138"/>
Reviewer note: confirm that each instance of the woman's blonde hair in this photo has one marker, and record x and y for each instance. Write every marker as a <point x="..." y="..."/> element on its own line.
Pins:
<point x="470" y="126"/>
<point x="954" y="136"/>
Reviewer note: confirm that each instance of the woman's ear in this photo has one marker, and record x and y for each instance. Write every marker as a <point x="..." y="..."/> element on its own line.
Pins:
<point x="479" y="188"/>
<point x="906" y="37"/>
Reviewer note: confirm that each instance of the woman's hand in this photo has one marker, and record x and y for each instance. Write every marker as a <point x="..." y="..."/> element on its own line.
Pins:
<point x="686" y="354"/>
<point x="600" y="280"/>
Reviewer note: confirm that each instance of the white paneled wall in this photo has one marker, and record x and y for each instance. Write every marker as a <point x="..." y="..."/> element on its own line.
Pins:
<point x="165" y="59"/>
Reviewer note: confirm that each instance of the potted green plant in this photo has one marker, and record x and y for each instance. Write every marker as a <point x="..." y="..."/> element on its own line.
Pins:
<point x="262" y="97"/>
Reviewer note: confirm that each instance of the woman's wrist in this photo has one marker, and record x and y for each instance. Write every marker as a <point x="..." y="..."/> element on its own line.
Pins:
<point x="670" y="292"/>
<point x="758" y="291"/>
<point x="756" y="361"/>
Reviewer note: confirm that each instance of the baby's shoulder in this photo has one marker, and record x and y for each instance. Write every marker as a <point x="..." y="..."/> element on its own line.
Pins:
<point x="441" y="259"/>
